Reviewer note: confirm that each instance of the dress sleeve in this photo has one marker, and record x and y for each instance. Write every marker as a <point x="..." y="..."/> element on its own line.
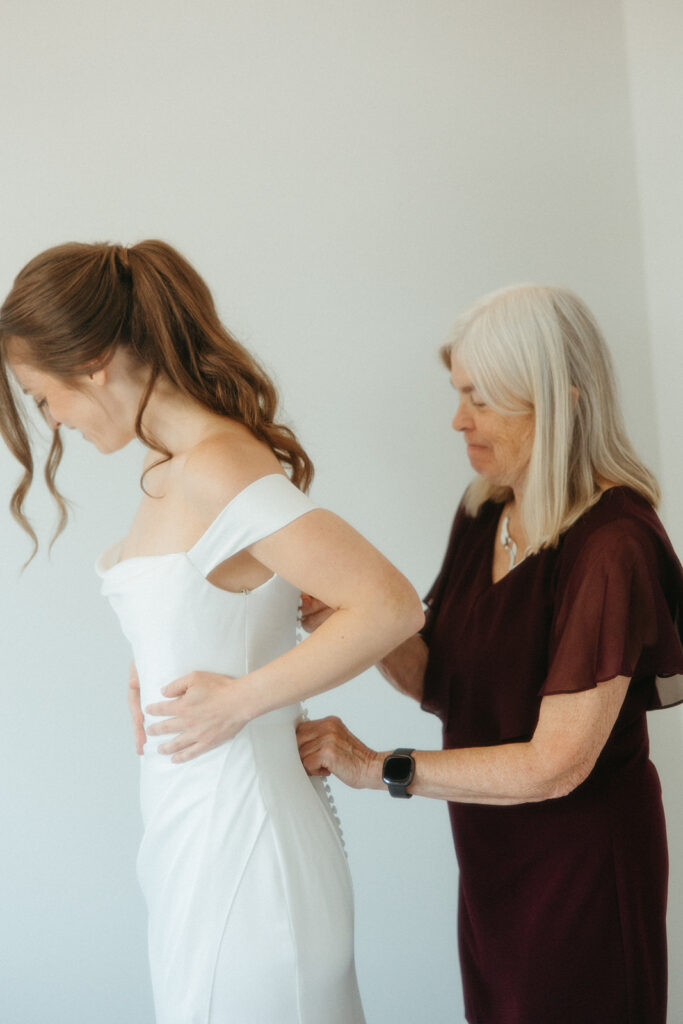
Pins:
<point x="263" y="507"/>
<point x="617" y="613"/>
<point x="432" y="600"/>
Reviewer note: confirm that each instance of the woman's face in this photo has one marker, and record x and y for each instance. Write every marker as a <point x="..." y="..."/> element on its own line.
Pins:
<point x="498" y="444"/>
<point x="89" y="404"/>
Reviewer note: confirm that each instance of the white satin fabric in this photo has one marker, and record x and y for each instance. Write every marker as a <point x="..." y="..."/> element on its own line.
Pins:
<point x="241" y="862"/>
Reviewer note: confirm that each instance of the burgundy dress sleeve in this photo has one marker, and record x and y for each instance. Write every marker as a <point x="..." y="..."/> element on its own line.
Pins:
<point x="617" y="613"/>
<point x="434" y="596"/>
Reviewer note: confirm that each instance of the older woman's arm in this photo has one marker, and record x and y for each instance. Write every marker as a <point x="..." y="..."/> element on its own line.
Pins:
<point x="571" y="731"/>
<point x="404" y="667"/>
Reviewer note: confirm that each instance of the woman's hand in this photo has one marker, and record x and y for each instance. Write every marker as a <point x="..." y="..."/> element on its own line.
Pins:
<point x="206" y="710"/>
<point x="135" y="709"/>
<point x="327" y="747"/>
<point x="313" y="612"/>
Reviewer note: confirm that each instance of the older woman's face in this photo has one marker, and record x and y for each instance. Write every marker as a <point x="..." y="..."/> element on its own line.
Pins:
<point x="498" y="444"/>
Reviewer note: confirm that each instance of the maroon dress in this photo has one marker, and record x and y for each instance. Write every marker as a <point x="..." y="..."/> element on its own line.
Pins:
<point x="562" y="903"/>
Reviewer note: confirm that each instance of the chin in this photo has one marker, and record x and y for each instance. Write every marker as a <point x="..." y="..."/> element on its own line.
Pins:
<point x="479" y="466"/>
<point x="110" y="446"/>
<point x="491" y="477"/>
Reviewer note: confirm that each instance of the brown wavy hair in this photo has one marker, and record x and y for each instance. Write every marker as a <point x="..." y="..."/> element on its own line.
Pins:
<point x="73" y="305"/>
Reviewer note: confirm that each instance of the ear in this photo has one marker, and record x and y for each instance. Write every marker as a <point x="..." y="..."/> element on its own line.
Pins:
<point x="99" y="377"/>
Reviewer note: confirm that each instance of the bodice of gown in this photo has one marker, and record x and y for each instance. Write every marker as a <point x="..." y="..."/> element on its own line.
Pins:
<point x="177" y="622"/>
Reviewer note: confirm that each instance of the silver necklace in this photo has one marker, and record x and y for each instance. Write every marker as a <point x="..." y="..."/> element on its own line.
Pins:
<point x="507" y="541"/>
<point x="509" y="544"/>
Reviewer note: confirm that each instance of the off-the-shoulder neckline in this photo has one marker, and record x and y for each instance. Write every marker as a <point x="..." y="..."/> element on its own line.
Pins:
<point x="133" y="559"/>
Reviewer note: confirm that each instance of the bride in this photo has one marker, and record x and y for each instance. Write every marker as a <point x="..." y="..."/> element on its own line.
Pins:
<point x="241" y="862"/>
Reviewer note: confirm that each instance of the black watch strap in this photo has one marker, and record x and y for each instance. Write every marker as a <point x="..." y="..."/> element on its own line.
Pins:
<point x="395" y="786"/>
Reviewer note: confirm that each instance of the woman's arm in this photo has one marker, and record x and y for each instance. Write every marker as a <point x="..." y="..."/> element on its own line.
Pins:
<point x="404" y="667"/>
<point x="572" y="730"/>
<point x="375" y="609"/>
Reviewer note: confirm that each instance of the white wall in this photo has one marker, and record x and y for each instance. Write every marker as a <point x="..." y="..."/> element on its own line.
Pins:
<point x="654" y="32"/>
<point x="347" y="176"/>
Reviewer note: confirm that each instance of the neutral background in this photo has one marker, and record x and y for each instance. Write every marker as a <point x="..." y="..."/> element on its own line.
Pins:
<point x="347" y="176"/>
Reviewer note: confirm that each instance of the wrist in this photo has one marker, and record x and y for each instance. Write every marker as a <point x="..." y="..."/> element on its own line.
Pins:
<point x="398" y="772"/>
<point x="372" y="772"/>
<point x="251" y="701"/>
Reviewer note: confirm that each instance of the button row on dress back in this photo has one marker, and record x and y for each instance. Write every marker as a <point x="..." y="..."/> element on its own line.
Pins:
<point x="334" y="814"/>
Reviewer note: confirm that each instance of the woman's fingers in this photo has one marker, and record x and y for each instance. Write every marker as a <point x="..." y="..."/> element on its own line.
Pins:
<point x="312" y="757"/>
<point x="163" y="708"/>
<point x="181" y="742"/>
<point x="166" y="726"/>
<point x="309" y="623"/>
<point x="186" y="746"/>
<point x="189" y="753"/>
<point x="135" y="708"/>
<point x="316" y="747"/>
<point x="309" y="736"/>
<point x="312" y="732"/>
<point x="313" y="763"/>
<point x="313" y="612"/>
<point x="327" y="746"/>
<point x="179" y="686"/>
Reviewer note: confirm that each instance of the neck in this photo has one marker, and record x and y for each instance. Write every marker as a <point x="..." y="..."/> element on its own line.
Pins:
<point x="175" y="420"/>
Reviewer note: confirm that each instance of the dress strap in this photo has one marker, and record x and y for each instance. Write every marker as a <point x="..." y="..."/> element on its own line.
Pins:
<point x="261" y="508"/>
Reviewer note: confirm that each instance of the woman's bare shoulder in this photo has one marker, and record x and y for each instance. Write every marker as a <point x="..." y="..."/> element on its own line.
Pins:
<point x="221" y="465"/>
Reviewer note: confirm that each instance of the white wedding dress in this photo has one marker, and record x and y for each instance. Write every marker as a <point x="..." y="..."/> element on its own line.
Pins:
<point x="241" y="862"/>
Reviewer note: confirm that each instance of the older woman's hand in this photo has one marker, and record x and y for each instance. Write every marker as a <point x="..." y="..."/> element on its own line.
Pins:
<point x="327" y="747"/>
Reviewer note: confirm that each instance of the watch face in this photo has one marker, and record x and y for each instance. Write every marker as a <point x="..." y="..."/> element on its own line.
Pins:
<point x="398" y="769"/>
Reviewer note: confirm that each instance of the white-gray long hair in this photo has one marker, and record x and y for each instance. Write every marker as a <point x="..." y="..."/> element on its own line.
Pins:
<point x="532" y="348"/>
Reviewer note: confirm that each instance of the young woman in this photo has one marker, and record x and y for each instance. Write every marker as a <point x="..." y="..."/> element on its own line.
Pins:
<point x="241" y="862"/>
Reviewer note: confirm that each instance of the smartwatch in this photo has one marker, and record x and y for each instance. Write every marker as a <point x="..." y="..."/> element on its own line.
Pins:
<point x="398" y="771"/>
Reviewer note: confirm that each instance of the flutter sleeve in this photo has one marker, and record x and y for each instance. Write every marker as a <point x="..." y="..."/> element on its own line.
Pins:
<point x="433" y="598"/>
<point x="617" y="612"/>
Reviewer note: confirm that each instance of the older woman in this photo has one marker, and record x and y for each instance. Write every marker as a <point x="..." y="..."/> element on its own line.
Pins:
<point x="551" y="631"/>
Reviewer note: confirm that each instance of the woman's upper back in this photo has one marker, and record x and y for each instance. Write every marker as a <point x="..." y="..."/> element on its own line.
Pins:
<point x="185" y="494"/>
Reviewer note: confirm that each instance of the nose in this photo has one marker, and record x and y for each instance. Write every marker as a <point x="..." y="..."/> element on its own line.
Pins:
<point x="462" y="419"/>
<point x="51" y="421"/>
